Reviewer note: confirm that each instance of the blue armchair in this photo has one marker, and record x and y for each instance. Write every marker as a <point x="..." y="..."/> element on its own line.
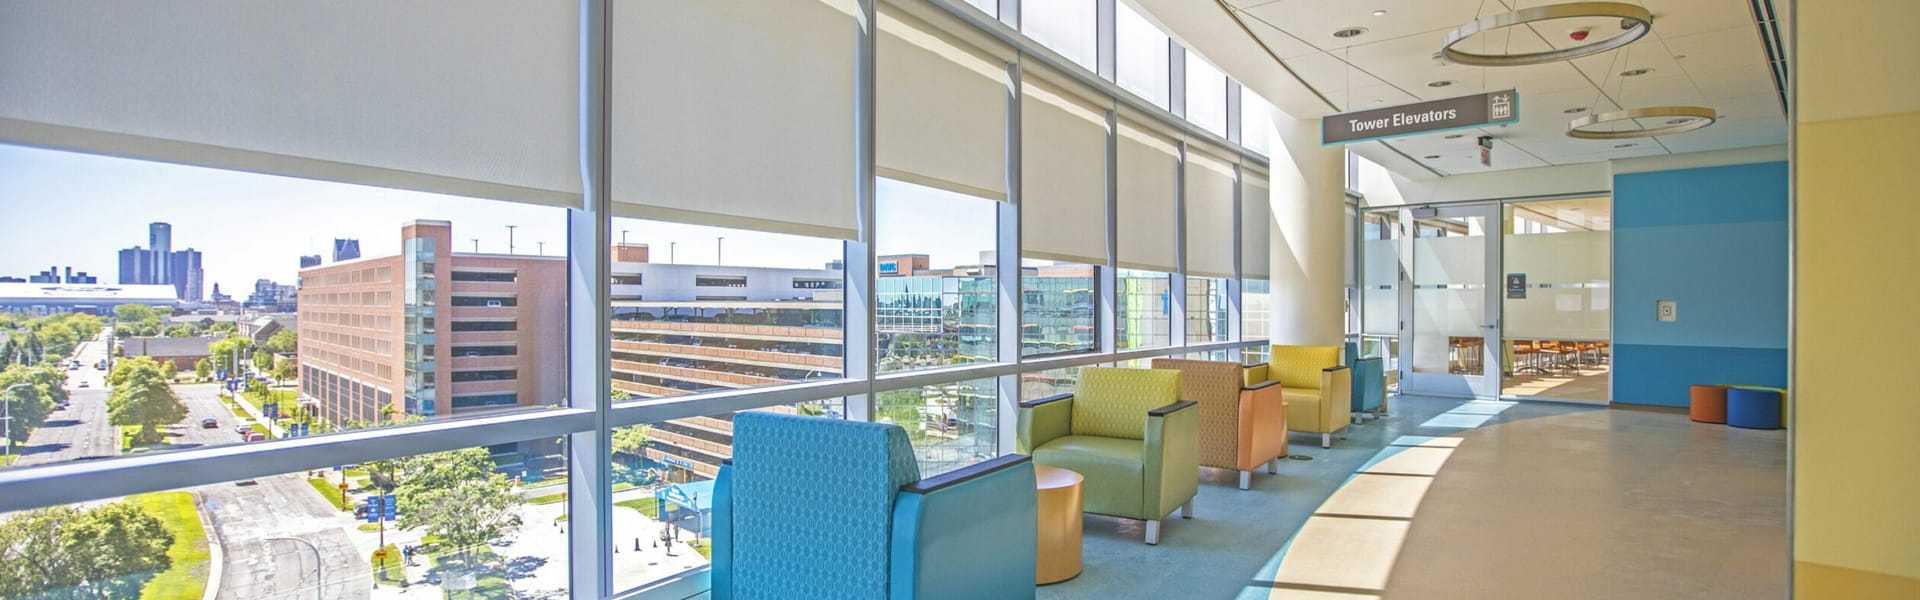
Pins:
<point x="822" y="508"/>
<point x="1369" y="381"/>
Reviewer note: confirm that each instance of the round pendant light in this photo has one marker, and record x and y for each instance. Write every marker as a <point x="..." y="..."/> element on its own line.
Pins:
<point x="1677" y="118"/>
<point x="1635" y="23"/>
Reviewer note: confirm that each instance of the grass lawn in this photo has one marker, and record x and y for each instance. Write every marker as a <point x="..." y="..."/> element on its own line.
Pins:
<point x="396" y="568"/>
<point x="330" y="493"/>
<point x="356" y="472"/>
<point x="705" y="548"/>
<point x="644" y="506"/>
<point x="489" y="584"/>
<point x="547" y="499"/>
<point x="369" y="527"/>
<point x="187" y="578"/>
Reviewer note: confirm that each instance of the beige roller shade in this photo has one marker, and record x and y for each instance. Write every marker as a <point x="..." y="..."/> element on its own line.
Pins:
<point x="1256" y="221"/>
<point x="1063" y="173"/>
<point x="472" y="98"/>
<point x="941" y="109"/>
<point x="1149" y="163"/>
<point x="735" y="114"/>
<point x="1209" y="185"/>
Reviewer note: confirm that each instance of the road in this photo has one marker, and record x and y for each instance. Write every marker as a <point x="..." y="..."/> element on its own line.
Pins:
<point x="265" y="528"/>
<point x="79" y="431"/>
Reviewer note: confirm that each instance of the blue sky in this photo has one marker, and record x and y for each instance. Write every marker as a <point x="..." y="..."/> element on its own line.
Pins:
<point x="79" y="210"/>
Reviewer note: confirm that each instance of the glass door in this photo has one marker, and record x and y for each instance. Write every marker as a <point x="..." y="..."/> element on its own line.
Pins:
<point x="1556" y="299"/>
<point x="1449" y="307"/>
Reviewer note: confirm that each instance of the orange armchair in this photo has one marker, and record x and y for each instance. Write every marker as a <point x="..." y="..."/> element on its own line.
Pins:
<point x="1243" y="415"/>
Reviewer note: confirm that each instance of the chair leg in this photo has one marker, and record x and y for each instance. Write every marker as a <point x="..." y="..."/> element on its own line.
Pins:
<point x="1326" y="440"/>
<point x="1343" y="432"/>
<point x="1273" y="467"/>
<point x="1246" y="479"/>
<point x="1186" y="510"/>
<point x="1153" y="532"/>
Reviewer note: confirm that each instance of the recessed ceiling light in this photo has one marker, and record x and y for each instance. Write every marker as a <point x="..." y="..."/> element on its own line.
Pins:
<point x="1432" y="156"/>
<point x="1439" y="84"/>
<point x="1456" y="136"/>
<point x="1679" y="57"/>
<point x="1349" y="32"/>
<point x="1575" y="110"/>
<point x="1624" y="145"/>
<point x="1379" y="13"/>
<point x="1635" y="72"/>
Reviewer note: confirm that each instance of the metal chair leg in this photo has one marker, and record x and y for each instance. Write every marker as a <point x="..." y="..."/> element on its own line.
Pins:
<point x="1326" y="440"/>
<point x="1273" y="467"/>
<point x="1186" y="510"/>
<point x="1246" y="479"/>
<point x="1153" y="532"/>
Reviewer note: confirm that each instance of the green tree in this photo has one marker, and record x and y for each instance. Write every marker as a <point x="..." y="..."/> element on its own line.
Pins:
<point x="128" y="365"/>
<point x="52" y="552"/>
<point x="203" y="368"/>
<point x="144" y="399"/>
<point x="183" y="330"/>
<point x="458" y="497"/>
<point x="285" y="370"/>
<point x="223" y="328"/>
<point x="30" y="405"/>
<point x="262" y="359"/>
<point x="223" y="352"/>
<point x="631" y="439"/>
<point x="9" y="352"/>
<point x="133" y="313"/>
<point x="283" y="341"/>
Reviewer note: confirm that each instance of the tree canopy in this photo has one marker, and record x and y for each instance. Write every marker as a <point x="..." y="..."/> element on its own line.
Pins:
<point x="144" y="399"/>
<point x="50" y="552"/>
<point x="30" y="405"/>
<point x="458" y="497"/>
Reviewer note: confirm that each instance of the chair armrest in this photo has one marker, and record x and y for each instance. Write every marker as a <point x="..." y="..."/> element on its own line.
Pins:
<point x="1336" y="396"/>
<point x="720" y="521"/>
<point x="1172" y="460"/>
<point x="1042" y="421"/>
<point x="1263" y="424"/>
<point x="1260" y="386"/>
<point x="969" y="533"/>
<point x="1255" y="373"/>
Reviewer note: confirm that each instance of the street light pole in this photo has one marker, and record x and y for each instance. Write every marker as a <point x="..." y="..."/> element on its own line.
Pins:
<point x="717" y="246"/>
<point x="6" y="409"/>
<point x="543" y="248"/>
<point x="510" y="238"/>
<point x="671" y="246"/>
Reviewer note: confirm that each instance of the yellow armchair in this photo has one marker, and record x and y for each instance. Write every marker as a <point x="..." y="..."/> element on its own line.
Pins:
<point x="1243" y="420"/>
<point x="1318" y="389"/>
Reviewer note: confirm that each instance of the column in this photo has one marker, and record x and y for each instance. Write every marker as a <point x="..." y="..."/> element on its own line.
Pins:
<point x="1309" y="187"/>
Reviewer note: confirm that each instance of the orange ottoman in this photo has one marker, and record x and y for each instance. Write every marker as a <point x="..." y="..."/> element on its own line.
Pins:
<point x="1709" y="404"/>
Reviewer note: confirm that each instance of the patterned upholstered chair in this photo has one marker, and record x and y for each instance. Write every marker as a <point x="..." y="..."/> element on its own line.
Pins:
<point x="823" y="508"/>
<point x="1318" y="389"/>
<point x="1129" y="434"/>
<point x="1369" y="381"/>
<point x="1243" y="418"/>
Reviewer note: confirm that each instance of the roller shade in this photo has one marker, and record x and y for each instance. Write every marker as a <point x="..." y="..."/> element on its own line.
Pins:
<point x="1209" y="185"/>
<point x="457" y="97"/>
<point x="735" y="114"/>
<point x="941" y="109"/>
<point x="1149" y="163"/>
<point x="1256" y="221"/>
<point x="1063" y="174"/>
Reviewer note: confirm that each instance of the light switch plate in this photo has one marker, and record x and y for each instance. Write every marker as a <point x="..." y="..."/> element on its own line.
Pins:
<point x="1668" y="311"/>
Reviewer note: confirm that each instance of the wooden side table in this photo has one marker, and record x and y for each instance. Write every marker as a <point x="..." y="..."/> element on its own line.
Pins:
<point x="1060" y="514"/>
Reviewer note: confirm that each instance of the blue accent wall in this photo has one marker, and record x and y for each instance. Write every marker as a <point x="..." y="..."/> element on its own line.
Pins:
<point x="1714" y="240"/>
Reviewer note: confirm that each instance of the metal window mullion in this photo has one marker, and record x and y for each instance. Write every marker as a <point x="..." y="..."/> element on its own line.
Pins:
<point x="1010" y="13"/>
<point x="861" y="356"/>
<point x="1176" y="79"/>
<point x="589" y="359"/>
<point x="1007" y="273"/>
<point x="1109" y="324"/>
<point x="1233" y="111"/>
<point x="1236" y="330"/>
<point x="1177" y="280"/>
<point x="1106" y="39"/>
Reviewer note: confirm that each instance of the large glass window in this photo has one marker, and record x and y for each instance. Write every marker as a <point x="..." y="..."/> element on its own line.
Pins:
<point x="1256" y="122"/>
<point x="1555" y="317"/>
<point x="1065" y="26"/>
<point x="1206" y="309"/>
<point x="1380" y="286"/>
<point x="1059" y="312"/>
<point x="1206" y="94"/>
<point x="951" y="425"/>
<point x="1140" y="56"/>
<point x="1144" y="305"/>
<point x="936" y="300"/>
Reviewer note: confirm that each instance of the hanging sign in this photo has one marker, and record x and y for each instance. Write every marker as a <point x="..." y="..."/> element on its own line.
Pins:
<point x="1486" y="151"/>
<point x="1490" y="108"/>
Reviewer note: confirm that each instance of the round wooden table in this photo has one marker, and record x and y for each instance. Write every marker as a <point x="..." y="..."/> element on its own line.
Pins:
<point x="1060" y="504"/>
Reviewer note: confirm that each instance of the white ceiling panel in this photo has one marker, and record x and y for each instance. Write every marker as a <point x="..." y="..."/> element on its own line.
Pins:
<point x="1280" y="42"/>
<point x="1316" y="20"/>
<point x="1683" y="17"/>
<point x="1723" y="49"/>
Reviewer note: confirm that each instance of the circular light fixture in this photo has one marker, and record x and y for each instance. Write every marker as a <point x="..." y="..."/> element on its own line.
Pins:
<point x="1575" y="110"/>
<point x="1432" y="156"/>
<point x="1455" y="136"/>
<point x="1678" y="121"/>
<point x="1349" y="32"/>
<point x="1635" y="72"/>
<point x="1439" y="84"/>
<point x="1379" y="13"/>
<point x="1635" y="23"/>
<point x="1697" y="117"/>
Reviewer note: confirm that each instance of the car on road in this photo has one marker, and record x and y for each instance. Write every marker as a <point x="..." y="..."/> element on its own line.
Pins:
<point x="209" y="423"/>
<point x="83" y="383"/>
<point x="255" y="436"/>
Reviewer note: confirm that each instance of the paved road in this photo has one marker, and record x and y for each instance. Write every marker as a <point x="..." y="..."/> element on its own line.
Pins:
<point x="80" y="430"/>
<point x="271" y="530"/>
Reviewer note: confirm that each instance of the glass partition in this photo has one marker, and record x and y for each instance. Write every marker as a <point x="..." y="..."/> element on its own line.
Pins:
<point x="1380" y="286"/>
<point x="1557" y="304"/>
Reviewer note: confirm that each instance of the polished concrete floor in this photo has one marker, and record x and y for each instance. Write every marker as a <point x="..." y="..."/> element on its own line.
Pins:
<point x="1453" y="499"/>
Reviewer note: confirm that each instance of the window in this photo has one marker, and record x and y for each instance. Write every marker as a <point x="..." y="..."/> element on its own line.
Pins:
<point x="951" y="425"/>
<point x="485" y="325"/>
<point x="801" y="283"/>
<point x="1206" y="309"/>
<point x="738" y="281"/>
<point x="486" y="276"/>
<point x="493" y="375"/>
<point x="1206" y="94"/>
<point x="1256" y="123"/>
<point x="628" y="279"/>
<point x="476" y="351"/>
<point x="944" y="311"/>
<point x="1143" y="307"/>
<point x="486" y="301"/>
<point x="1041" y="384"/>
<point x="1059" y="308"/>
<point x="485" y="400"/>
<point x="1065" y="26"/>
<point x="1141" y="53"/>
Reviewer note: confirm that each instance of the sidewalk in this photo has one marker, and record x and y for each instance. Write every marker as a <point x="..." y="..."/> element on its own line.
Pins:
<point x="248" y="408"/>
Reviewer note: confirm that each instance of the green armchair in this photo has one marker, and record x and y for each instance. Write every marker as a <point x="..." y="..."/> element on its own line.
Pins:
<point x="1128" y="433"/>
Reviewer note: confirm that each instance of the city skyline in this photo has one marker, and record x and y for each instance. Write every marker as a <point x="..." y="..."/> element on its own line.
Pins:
<point x="251" y="226"/>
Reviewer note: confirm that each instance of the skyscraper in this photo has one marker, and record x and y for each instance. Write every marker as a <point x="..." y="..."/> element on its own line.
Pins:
<point x="309" y="261"/>
<point x="158" y="263"/>
<point x="160" y="252"/>
<point x="345" y="249"/>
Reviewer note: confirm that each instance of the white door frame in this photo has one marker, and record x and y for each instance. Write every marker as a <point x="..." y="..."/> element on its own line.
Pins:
<point x="1487" y="384"/>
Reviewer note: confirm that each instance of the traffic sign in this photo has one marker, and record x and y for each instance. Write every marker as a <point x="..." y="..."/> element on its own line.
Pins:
<point x="374" y="510"/>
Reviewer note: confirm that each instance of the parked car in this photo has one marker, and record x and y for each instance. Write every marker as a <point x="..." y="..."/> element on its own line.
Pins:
<point x="84" y="384"/>
<point x="255" y="436"/>
<point x="209" y="423"/>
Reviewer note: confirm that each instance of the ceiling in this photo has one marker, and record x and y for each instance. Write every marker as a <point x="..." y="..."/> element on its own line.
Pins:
<point x="1700" y="53"/>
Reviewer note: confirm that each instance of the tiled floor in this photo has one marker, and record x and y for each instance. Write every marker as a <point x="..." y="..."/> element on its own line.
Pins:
<point x="1451" y="499"/>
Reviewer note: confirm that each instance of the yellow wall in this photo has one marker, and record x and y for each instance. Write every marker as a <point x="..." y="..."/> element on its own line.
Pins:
<point x="1856" y="301"/>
